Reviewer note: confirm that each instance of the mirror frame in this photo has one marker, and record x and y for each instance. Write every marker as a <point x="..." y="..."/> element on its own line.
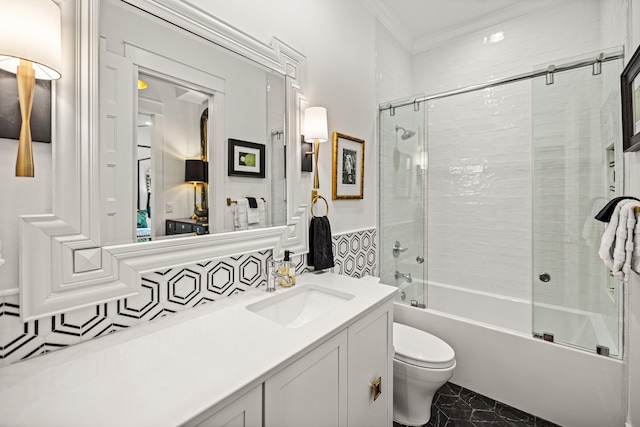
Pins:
<point x="62" y="264"/>
<point x="630" y="141"/>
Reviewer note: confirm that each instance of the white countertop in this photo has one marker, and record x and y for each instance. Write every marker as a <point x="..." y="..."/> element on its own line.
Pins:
<point x="168" y="371"/>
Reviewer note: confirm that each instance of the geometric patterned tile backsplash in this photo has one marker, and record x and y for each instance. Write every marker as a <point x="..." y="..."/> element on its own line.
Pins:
<point x="164" y="292"/>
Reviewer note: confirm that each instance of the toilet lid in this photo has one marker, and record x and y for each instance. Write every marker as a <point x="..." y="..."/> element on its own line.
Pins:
<point x="420" y="348"/>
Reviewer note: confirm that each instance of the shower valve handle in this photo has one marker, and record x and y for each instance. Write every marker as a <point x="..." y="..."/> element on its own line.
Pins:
<point x="397" y="249"/>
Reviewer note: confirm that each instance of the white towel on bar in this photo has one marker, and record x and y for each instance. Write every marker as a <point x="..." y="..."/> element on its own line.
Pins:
<point x="609" y="237"/>
<point x="617" y="247"/>
<point x="635" y="257"/>
<point x="262" y="215"/>
<point x="240" y="215"/>
<point x="253" y="214"/>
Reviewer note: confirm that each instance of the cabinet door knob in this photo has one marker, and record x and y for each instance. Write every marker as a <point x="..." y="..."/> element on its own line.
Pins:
<point x="376" y="388"/>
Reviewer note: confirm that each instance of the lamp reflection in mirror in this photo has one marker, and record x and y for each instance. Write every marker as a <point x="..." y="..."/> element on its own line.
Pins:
<point x="195" y="171"/>
<point x="30" y="47"/>
<point x="315" y="129"/>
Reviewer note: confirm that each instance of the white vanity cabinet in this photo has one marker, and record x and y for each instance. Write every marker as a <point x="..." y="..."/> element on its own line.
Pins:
<point x="245" y="411"/>
<point x="370" y="369"/>
<point x="312" y="391"/>
<point x="332" y="384"/>
<point x="253" y="372"/>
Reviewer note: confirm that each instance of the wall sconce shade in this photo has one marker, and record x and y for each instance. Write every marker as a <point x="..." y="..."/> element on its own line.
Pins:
<point x="30" y="30"/>
<point x="315" y="124"/>
<point x="195" y="171"/>
<point x="316" y="130"/>
<point x="31" y="47"/>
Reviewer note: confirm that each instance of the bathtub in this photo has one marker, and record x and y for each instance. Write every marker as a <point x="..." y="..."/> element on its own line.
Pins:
<point x="497" y="356"/>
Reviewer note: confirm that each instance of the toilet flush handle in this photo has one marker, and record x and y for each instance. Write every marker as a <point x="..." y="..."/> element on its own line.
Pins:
<point x="376" y="388"/>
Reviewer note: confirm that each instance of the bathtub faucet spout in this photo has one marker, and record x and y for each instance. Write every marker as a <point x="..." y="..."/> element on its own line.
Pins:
<point x="406" y="276"/>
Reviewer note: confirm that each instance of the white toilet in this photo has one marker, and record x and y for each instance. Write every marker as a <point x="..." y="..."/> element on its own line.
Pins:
<point x="421" y="365"/>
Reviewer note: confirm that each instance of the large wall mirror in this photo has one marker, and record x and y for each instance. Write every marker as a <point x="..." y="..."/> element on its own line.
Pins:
<point x="152" y="91"/>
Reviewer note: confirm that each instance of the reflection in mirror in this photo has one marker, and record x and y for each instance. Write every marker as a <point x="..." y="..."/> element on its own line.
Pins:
<point x="169" y="117"/>
<point x="247" y="103"/>
<point x="143" y="214"/>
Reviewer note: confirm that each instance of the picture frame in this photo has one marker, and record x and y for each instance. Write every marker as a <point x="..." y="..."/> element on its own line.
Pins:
<point x="348" y="167"/>
<point x="630" y="92"/>
<point x="247" y="159"/>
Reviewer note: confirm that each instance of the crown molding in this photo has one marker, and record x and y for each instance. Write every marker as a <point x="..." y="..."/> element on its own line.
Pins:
<point x="391" y="23"/>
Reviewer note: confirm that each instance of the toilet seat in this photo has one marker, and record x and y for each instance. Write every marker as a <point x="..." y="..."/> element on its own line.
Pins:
<point x="420" y="348"/>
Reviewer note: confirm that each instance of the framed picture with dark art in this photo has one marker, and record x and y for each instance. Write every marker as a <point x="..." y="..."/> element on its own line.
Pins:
<point x="348" y="167"/>
<point x="630" y="89"/>
<point x="246" y="159"/>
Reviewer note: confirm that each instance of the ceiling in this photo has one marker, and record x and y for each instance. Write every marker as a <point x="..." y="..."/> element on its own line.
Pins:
<point x="422" y="24"/>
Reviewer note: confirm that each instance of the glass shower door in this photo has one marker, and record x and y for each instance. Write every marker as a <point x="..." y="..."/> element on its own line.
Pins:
<point x="402" y="222"/>
<point x="576" y="154"/>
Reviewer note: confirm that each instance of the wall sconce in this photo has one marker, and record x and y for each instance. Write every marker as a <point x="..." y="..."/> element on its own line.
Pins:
<point x="196" y="172"/>
<point x="315" y="129"/>
<point x="30" y="47"/>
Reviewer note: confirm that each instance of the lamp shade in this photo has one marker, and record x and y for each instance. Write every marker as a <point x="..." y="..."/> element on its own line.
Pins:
<point x="195" y="171"/>
<point x="30" y="30"/>
<point x="315" y="124"/>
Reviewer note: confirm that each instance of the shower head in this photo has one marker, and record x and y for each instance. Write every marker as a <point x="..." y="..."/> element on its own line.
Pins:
<point x="406" y="133"/>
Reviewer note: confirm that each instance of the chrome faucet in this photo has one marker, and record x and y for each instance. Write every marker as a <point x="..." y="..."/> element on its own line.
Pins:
<point x="281" y="279"/>
<point x="406" y="276"/>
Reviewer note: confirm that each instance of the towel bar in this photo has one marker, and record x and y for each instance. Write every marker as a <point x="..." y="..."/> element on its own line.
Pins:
<point x="230" y="201"/>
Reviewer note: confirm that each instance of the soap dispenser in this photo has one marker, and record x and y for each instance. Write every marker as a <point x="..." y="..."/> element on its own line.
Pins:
<point x="288" y="270"/>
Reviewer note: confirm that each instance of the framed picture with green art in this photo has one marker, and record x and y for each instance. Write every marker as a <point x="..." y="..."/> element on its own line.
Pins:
<point x="348" y="167"/>
<point x="246" y="159"/>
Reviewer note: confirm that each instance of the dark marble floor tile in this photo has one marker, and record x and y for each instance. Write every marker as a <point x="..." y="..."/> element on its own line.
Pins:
<point x="514" y="415"/>
<point x="455" y="406"/>
<point x="477" y="401"/>
<point x="450" y="389"/>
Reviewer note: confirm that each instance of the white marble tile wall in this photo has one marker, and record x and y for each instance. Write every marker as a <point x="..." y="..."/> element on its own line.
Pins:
<point x="479" y="203"/>
<point x="479" y="145"/>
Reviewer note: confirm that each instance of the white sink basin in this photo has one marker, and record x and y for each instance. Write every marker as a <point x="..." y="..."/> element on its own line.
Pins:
<point x="299" y="306"/>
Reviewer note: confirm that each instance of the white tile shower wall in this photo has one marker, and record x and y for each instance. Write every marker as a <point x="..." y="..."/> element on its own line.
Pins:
<point x="480" y="190"/>
<point x="566" y="30"/>
<point x="163" y="292"/>
<point x="479" y="180"/>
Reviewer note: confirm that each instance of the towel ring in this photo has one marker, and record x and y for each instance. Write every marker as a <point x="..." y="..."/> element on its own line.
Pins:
<point x="313" y="202"/>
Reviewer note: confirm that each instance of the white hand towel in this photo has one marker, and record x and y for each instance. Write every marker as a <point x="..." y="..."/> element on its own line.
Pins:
<point x="619" y="245"/>
<point x="624" y="247"/>
<point x="262" y="215"/>
<point x="635" y="257"/>
<point x="609" y="237"/>
<point x="240" y="215"/>
<point x="253" y="214"/>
